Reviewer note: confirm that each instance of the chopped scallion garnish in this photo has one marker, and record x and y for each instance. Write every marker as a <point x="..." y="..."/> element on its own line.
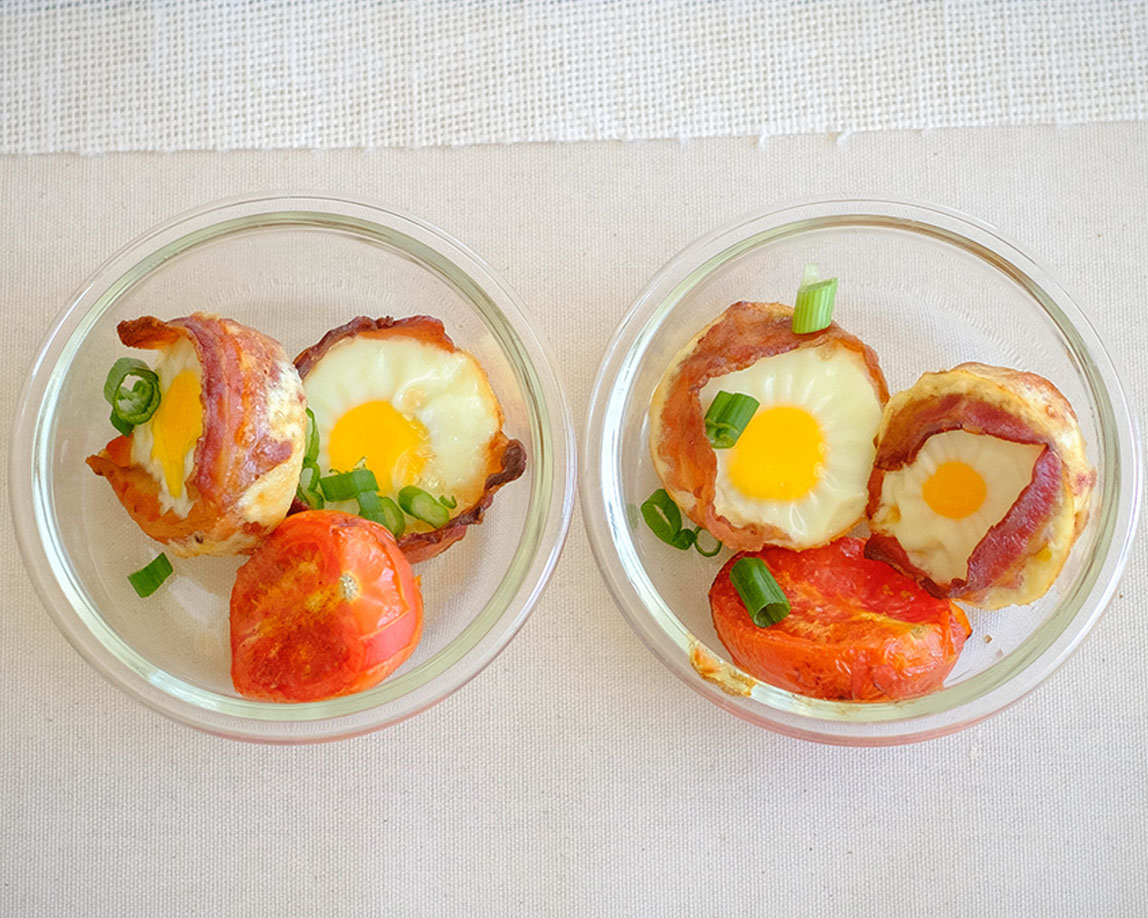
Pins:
<point x="449" y="502"/>
<point x="310" y="494"/>
<point x="382" y="510"/>
<point x="763" y="598"/>
<point x="311" y="455"/>
<point x="122" y="426"/>
<point x="135" y="405"/>
<point x="147" y="580"/>
<point x="665" y="520"/>
<point x="704" y="552"/>
<point x="346" y="485"/>
<point x="419" y="504"/>
<point x="727" y="417"/>
<point x="813" y="309"/>
<point x="308" y="490"/>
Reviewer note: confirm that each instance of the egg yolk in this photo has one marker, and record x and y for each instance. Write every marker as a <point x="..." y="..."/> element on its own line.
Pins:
<point x="955" y="490"/>
<point x="176" y="427"/>
<point x="392" y="444"/>
<point x="779" y="455"/>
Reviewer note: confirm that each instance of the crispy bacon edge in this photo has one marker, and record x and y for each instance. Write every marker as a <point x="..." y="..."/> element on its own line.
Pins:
<point x="507" y="457"/>
<point x="743" y="334"/>
<point x="239" y="366"/>
<point x="1013" y="563"/>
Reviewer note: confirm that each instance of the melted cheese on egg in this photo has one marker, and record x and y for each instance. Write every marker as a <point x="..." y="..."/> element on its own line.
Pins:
<point x="164" y="445"/>
<point x="802" y="463"/>
<point x="960" y="485"/>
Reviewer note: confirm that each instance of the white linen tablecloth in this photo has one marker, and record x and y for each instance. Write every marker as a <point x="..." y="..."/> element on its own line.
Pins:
<point x="576" y="776"/>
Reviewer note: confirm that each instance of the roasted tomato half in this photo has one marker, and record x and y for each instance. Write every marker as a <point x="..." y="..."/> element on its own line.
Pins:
<point x="327" y="605"/>
<point x="857" y="630"/>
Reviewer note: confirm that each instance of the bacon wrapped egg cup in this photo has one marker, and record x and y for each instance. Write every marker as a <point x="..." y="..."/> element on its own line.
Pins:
<point x="797" y="474"/>
<point x="215" y="467"/>
<point x="980" y="485"/>
<point x="396" y="397"/>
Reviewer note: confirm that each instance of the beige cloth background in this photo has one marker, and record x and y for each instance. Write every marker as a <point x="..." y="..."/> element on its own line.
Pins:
<point x="576" y="776"/>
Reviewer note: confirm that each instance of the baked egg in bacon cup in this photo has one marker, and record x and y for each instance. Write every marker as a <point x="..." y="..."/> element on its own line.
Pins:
<point x="980" y="485"/>
<point x="213" y="467"/>
<point x="797" y="473"/>
<point x="408" y="430"/>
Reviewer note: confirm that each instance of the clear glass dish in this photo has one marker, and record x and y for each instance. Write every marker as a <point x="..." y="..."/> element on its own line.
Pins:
<point x="927" y="289"/>
<point x="292" y="267"/>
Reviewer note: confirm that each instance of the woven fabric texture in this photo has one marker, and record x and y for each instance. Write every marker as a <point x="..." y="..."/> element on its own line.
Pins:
<point x="262" y="74"/>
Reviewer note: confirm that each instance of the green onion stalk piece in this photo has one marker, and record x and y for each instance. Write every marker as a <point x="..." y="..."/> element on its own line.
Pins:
<point x="135" y="405"/>
<point x="310" y="492"/>
<point x="813" y="309"/>
<point x="147" y="579"/>
<point x="311" y="454"/>
<point x="347" y="485"/>
<point x="727" y="417"/>
<point x="706" y="552"/>
<point x="382" y="510"/>
<point x="419" y="504"/>
<point x="764" y="600"/>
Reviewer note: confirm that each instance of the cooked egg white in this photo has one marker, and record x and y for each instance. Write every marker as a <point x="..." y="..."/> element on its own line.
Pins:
<point x="957" y="488"/>
<point x="164" y="445"/>
<point x="802" y="463"/>
<point x="412" y="412"/>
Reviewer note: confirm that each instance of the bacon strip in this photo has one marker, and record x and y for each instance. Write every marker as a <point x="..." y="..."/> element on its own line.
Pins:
<point x="422" y="328"/>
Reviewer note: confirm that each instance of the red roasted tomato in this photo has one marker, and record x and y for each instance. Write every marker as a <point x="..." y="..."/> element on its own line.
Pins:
<point x="327" y="605"/>
<point x="857" y="630"/>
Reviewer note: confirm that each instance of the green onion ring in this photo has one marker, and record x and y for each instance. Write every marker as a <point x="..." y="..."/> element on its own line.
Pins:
<point x="764" y="600"/>
<point x="419" y="504"/>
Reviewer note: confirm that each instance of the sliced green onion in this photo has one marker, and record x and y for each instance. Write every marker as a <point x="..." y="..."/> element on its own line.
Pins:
<point x="346" y="485"/>
<point x="147" y="580"/>
<point x="311" y="455"/>
<point x="121" y="369"/>
<point x="813" y="309"/>
<point x="662" y="516"/>
<point x="122" y="426"/>
<point x="706" y="553"/>
<point x="135" y="405"/>
<point x="449" y="502"/>
<point x="382" y="510"/>
<point x="665" y="520"/>
<point x="313" y="498"/>
<point x="310" y="493"/>
<point x="419" y="504"/>
<point x="727" y="416"/>
<point x="763" y="598"/>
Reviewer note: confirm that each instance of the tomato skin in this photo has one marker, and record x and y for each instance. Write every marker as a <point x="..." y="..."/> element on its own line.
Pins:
<point x="327" y="605"/>
<point x="857" y="631"/>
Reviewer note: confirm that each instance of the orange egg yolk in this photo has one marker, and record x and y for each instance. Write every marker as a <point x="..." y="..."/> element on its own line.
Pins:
<point x="392" y="444"/>
<point x="955" y="490"/>
<point x="176" y="427"/>
<point x="779" y="455"/>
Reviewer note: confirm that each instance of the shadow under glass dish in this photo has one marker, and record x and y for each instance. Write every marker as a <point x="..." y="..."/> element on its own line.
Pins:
<point x="926" y="289"/>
